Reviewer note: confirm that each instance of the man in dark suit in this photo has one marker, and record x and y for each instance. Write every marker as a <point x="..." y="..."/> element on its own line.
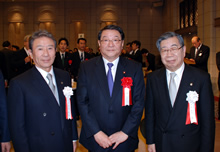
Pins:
<point x="148" y="60"/>
<point x="79" y="56"/>
<point x="110" y="108"/>
<point x="36" y="103"/>
<point x="4" y="131"/>
<point x="179" y="103"/>
<point x="218" y="66"/>
<point x="22" y="60"/>
<point x="199" y="53"/>
<point x="63" y="59"/>
<point x="6" y="55"/>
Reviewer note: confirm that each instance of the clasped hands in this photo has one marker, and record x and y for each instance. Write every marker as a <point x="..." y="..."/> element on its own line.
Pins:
<point x="106" y="141"/>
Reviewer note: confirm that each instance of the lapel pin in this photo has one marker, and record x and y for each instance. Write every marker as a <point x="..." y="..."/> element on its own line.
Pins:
<point x="124" y="72"/>
<point x="191" y="84"/>
<point x="62" y="82"/>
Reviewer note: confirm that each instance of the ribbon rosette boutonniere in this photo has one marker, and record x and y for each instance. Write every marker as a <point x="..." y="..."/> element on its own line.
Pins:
<point x="68" y="92"/>
<point x="191" y="117"/>
<point x="126" y="92"/>
<point x="70" y="62"/>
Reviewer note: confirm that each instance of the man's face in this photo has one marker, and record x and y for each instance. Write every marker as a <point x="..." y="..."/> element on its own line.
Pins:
<point x="128" y="48"/>
<point x="195" y="43"/>
<point x="43" y="53"/>
<point x="81" y="45"/>
<point x="172" y="59"/>
<point x="62" y="46"/>
<point x="134" y="46"/>
<point x="110" y="44"/>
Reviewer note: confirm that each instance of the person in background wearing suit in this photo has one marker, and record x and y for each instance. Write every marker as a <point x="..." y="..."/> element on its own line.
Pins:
<point x="22" y="60"/>
<point x="179" y="108"/>
<point x="110" y="96"/>
<point x="199" y="53"/>
<point x="79" y="56"/>
<point x="218" y="66"/>
<point x="148" y="60"/>
<point x="36" y="103"/>
<point x="5" y="145"/>
<point x="63" y="59"/>
<point x="6" y="64"/>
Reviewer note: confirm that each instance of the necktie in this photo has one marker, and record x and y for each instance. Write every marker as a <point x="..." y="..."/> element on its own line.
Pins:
<point x="110" y="78"/>
<point x="62" y="59"/>
<point x="172" y="88"/>
<point x="81" y="57"/>
<point x="51" y="85"/>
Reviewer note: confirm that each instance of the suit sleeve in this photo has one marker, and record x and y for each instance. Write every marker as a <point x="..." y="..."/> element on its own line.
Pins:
<point x="16" y="116"/>
<point x="207" y="119"/>
<point x="132" y="123"/>
<point x="149" y="113"/>
<point x="4" y="130"/>
<point x="88" y="118"/>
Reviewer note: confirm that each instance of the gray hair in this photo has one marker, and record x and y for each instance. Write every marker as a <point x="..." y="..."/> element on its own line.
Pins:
<point x="169" y="35"/>
<point x="26" y="38"/>
<point x="41" y="33"/>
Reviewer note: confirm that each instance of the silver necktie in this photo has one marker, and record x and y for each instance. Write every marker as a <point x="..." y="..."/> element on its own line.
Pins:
<point x="172" y="88"/>
<point x="51" y="85"/>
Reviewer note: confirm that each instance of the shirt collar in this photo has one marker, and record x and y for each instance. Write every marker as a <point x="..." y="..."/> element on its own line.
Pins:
<point x="179" y="72"/>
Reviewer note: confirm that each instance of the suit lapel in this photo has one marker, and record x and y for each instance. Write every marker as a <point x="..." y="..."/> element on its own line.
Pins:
<point x="101" y="76"/>
<point x="180" y="102"/>
<point x="163" y="90"/>
<point x="40" y="84"/>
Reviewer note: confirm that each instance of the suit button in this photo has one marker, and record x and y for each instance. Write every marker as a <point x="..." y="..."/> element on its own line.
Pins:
<point x="182" y="136"/>
<point x="44" y="114"/>
<point x="164" y="132"/>
<point x="110" y="110"/>
<point x="52" y="133"/>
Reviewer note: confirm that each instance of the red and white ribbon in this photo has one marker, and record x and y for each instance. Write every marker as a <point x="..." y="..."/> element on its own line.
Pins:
<point x="126" y="91"/>
<point x="191" y="117"/>
<point x="67" y="91"/>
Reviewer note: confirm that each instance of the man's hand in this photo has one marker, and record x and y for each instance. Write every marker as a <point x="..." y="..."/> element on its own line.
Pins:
<point x="117" y="138"/>
<point x="151" y="148"/>
<point x="74" y="146"/>
<point x="102" y="139"/>
<point x="6" y="146"/>
<point x="27" y="59"/>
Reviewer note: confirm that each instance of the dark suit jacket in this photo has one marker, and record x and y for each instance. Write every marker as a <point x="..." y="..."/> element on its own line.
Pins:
<point x="218" y="66"/>
<point x="4" y="131"/>
<point x="137" y="56"/>
<point x="19" y="62"/>
<point x="165" y="125"/>
<point x="37" y="123"/>
<point x="201" y="57"/>
<point x="76" y="63"/>
<point x="58" y="61"/>
<point x="100" y="112"/>
<point x="8" y="70"/>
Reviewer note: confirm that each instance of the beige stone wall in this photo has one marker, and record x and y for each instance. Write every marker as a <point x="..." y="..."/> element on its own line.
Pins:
<point x="140" y="20"/>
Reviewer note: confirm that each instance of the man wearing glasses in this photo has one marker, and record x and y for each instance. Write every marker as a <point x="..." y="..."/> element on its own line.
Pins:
<point x="179" y="110"/>
<point x="110" y="96"/>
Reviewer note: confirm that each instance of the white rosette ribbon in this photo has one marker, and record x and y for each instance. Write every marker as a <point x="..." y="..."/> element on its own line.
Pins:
<point x="68" y="92"/>
<point x="192" y="98"/>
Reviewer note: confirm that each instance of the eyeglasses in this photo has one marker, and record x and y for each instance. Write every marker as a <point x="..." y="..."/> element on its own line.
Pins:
<point x="173" y="49"/>
<point x="106" y="41"/>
